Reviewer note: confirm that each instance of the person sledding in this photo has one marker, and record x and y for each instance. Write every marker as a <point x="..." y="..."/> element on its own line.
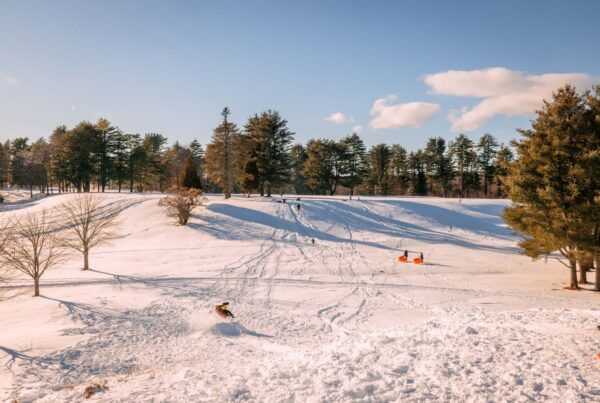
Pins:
<point x="223" y="310"/>
<point x="404" y="257"/>
<point x="419" y="260"/>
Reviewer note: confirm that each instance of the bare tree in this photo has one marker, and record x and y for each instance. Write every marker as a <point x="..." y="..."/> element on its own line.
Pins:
<point x="181" y="203"/>
<point x="34" y="248"/>
<point x="90" y="222"/>
<point x="6" y="233"/>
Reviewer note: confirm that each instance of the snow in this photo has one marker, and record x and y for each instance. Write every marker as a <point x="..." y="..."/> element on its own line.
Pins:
<point x="340" y="320"/>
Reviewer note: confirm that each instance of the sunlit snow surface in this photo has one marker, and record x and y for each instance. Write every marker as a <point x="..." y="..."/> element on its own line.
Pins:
<point x="337" y="320"/>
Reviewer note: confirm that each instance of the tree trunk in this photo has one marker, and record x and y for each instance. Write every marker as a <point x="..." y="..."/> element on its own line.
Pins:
<point x="86" y="264"/>
<point x="583" y="269"/>
<point x="573" y="264"/>
<point x="597" y="282"/>
<point x="36" y="285"/>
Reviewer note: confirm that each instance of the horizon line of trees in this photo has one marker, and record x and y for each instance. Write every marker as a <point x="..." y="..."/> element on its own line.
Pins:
<point x="259" y="158"/>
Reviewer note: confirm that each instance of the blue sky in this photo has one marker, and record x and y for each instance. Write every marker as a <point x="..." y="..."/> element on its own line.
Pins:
<point x="403" y="71"/>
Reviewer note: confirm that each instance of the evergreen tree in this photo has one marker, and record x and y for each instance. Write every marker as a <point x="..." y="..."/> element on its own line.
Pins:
<point x="220" y="157"/>
<point x="198" y="153"/>
<point x="462" y="150"/>
<point x="174" y="160"/>
<point x="59" y="170"/>
<point x="554" y="182"/>
<point x="135" y="158"/>
<point x="488" y="149"/>
<point x="418" y="178"/>
<point x="38" y="164"/>
<point x="105" y="146"/>
<point x="297" y="160"/>
<point x="353" y="161"/>
<point x="153" y="169"/>
<point x="270" y="140"/>
<point x="504" y="159"/>
<point x="4" y="164"/>
<point x="120" y="158"/>
<point x="19" y="149"/>
<point x="189" y="178"/>
<point x="322" y="169"/>
<point x="81" y="163"/>
<point x="378" y="161"/>
<point x="438" y="165"/>
<point x="399" y="169"/>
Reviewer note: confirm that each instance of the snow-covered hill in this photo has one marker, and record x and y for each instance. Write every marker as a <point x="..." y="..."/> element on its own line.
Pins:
<point x="337" y="320"/>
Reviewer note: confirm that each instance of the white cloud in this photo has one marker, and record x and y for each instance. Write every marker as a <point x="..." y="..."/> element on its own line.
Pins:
<point x="412" y="114"/>
<point x="72" y="107"/>
<point x="339" y="118"/>
<point x="505" y="92"/>
<point x="11" y="81"/>
<point x="357" y="129"/>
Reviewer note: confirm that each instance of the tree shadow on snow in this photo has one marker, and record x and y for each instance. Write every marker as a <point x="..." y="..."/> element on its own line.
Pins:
<point x="318" y="217"/>
<point x="230" y="223"/>
<point x="173" y="286"/>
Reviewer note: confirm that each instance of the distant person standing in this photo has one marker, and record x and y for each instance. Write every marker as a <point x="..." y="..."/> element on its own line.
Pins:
<point x="298" y="207"/>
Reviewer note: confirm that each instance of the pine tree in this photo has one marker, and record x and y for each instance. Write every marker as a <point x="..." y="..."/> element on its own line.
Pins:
<point x="81" y="162"/>
<point x="198" y="153"/>
<point x="120" y="158"/>
<point x="189" y="178"/>
<point x="438" y="165"/>
<point x="488" y="149"/>
<point x="399" y="169"/>
<point x="4" y="164"/>
<point x="554" y="182"/>
<point x="269" y="140"/>
<point x="323" y="166"/>
<point x="59" y="158"/>
<point x="220" y="155"/>
<point x="416" y="167"/>
<point x="353" y="161"/>
<point x="504" y="158"/>
<point x="19" y="149"/>
<point x="135" y="158"/>
<point x="462" y="150"/>
<point x="378" y="161"/>
<point x="297" y="160"/>
<point x="105" y="146"/>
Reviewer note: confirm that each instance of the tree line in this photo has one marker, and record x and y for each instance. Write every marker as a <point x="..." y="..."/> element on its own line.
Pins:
<point x="258" y="158"/>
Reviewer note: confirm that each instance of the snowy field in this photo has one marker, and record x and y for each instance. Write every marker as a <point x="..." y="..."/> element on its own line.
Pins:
<point x="337" y="320"/>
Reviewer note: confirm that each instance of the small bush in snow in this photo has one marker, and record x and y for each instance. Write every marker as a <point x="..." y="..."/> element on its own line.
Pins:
<point x="181" y="203"/>
<point x="94" y="388"/>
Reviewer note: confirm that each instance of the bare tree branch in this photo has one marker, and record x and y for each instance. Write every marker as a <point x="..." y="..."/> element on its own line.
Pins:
<point x="34" y="247"/>
<point x="90" y="222"/>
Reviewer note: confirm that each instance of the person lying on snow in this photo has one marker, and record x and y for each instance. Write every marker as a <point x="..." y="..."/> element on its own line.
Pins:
<point x="223" y="309"/>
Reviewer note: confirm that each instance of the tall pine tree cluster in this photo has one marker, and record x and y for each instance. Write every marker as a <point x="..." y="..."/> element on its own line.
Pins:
<point x="555" y="182"/>
<point x="94" y="157"/>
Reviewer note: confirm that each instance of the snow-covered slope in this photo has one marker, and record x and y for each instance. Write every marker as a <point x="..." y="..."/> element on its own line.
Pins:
<point x="337" y="320"/>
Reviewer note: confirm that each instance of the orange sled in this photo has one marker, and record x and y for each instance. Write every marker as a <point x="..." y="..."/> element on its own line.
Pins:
<point x="402" y="259"/>
<point x="417" y="260"/>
